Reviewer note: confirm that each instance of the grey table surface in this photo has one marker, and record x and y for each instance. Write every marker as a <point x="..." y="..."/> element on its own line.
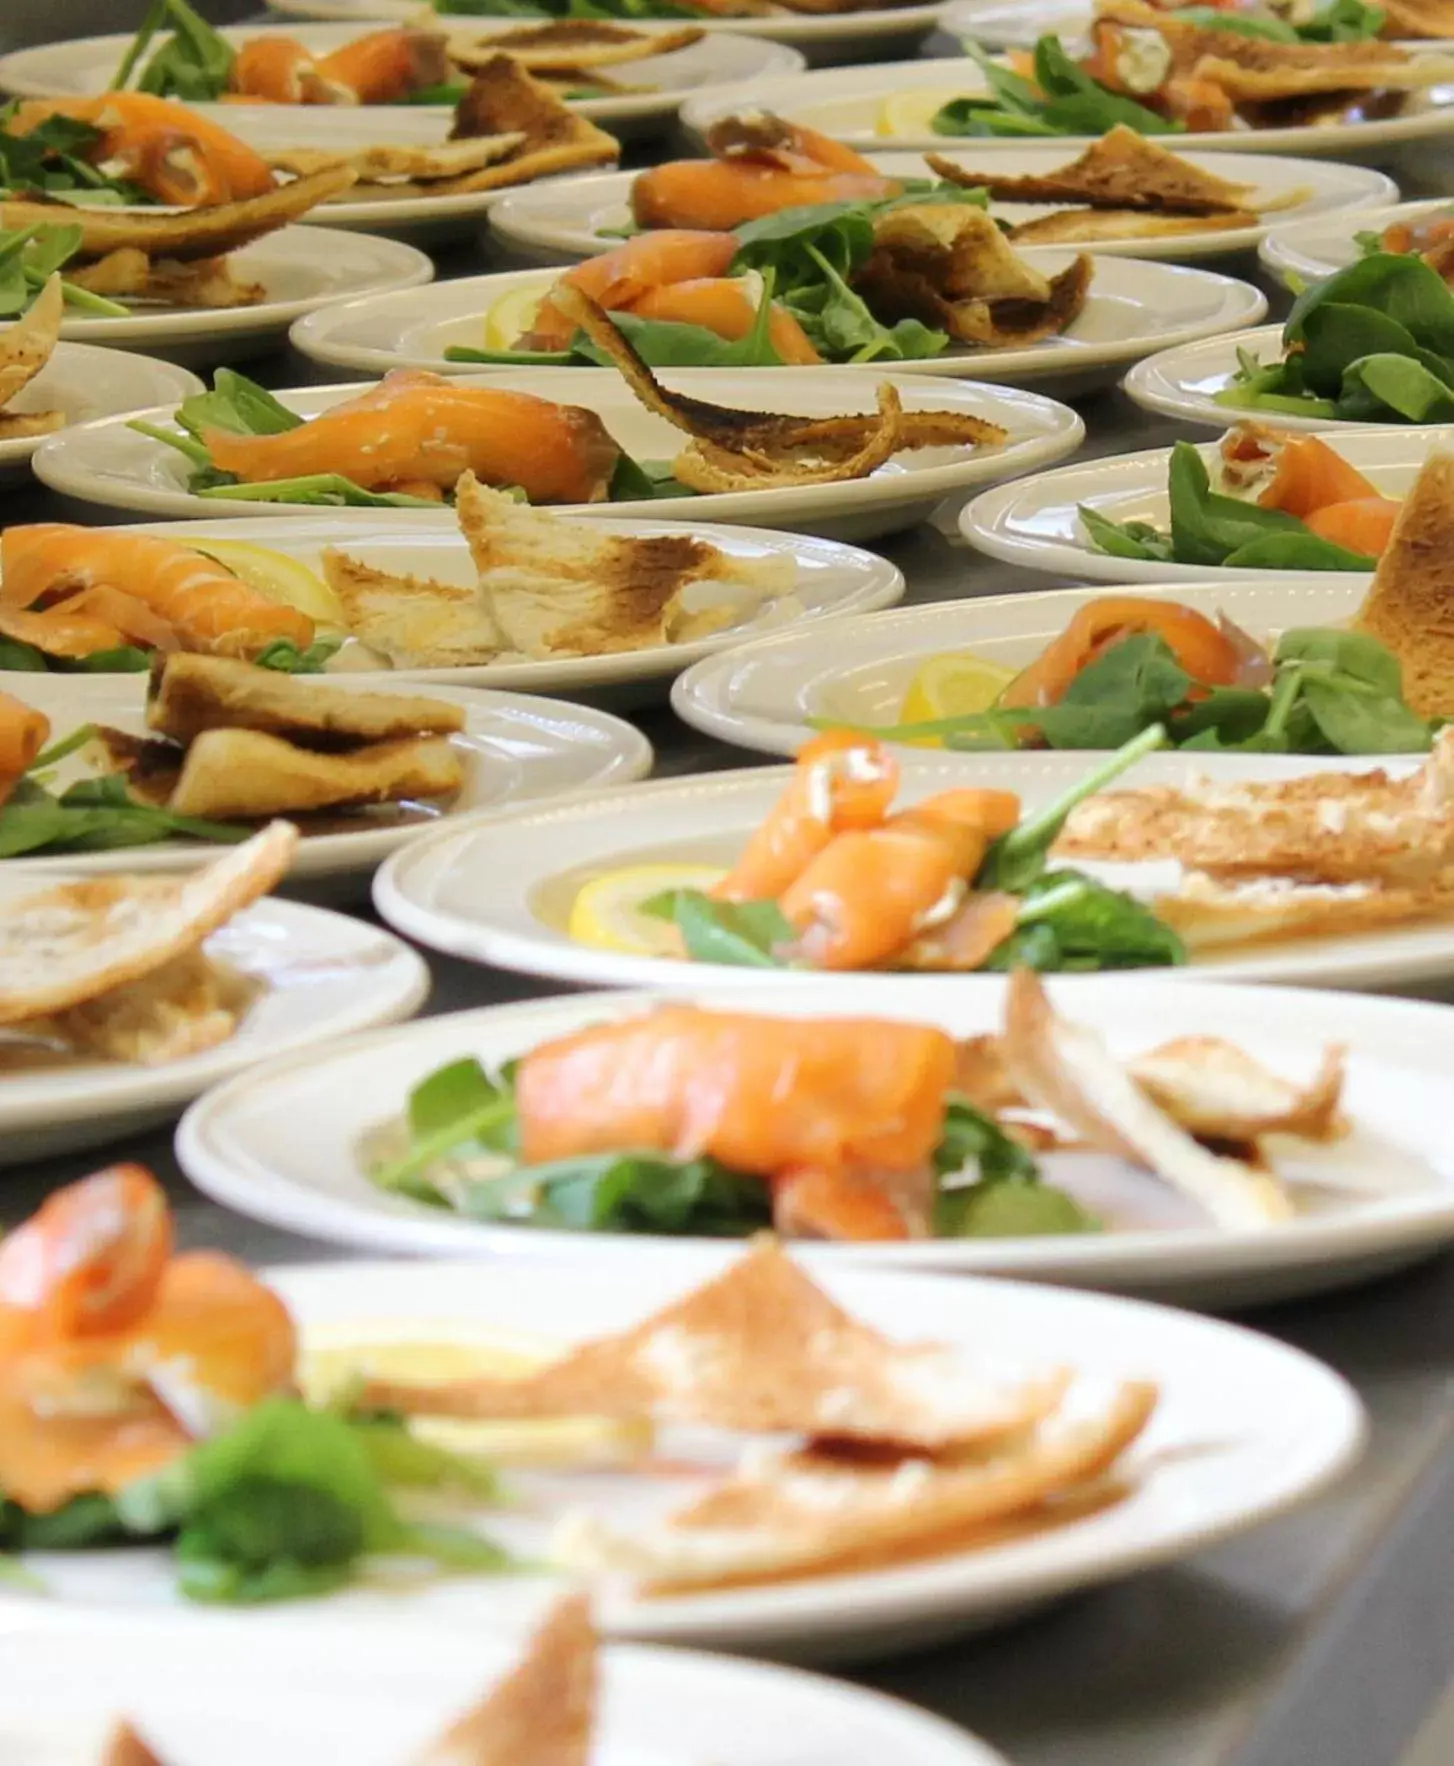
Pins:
<point x="1322" y="1639"/>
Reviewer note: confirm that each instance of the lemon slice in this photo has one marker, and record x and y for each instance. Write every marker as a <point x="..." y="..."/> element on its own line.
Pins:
<point x="280" y="578"/>
<point x="332" y="1364"/>
<point x="912" y="112"/>
<point x="512" y="315"/>
<point x="957" y="684"/>
<point x="607" y="913"/>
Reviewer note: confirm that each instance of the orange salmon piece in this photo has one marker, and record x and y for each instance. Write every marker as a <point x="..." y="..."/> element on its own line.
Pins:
<point x="617" y="279"/>
<point x="1310" y="475"/>
<point x="723" y="307"/>
<point x="24" y="732"/>
<point x="763" y="1095"/>
<point x="1363" y="525"/>
<point x="417" y="425"/>
<point x="718" y="194"/>
<point x="1202" y="649"/>
<point x="276" y="70"/>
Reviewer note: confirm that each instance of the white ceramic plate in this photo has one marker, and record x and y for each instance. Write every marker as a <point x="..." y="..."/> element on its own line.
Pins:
<point x="1132" y="309"/>
<point x="88" y="65"/>
<point x="1245" y="1428"/>
<point x="110" y="464"/>
<point x="449" y="890"/>
<point x="874" y="33"/>
<point x="514" y="749"/>
<point x="1183" y="382"/>
<point x="764" y="694"/>
<point x="833" y="579"/>
<point x="238" y="1144"/>
<point x="229" y="1692"/>
<point x="86" y="382"/>
<point x="301" y="269"/>
<point x="847" y="104"/>
<point x="1301" y="251"/>
<point x="1035" y="522"/>
<point x="343" y="128"/>
<point x="325" y="975"/>
<point x="570" y="217"/>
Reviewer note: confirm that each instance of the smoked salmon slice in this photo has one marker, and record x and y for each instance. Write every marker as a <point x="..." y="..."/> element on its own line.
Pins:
<point x="719" y="194"/>
<point x="1205" y="651"/>
<point x="415" y="425"/>
<point x="24" y="732"/>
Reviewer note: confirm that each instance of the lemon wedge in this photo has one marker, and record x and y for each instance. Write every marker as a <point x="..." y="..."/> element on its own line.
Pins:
<point x="512" y="315"/>
<point x="606" y="914"/>
<point x="280" y="578"/>
<point x="912" y="112"/>
<point x="957" y="684"/>
<point x="334" y="1363"/>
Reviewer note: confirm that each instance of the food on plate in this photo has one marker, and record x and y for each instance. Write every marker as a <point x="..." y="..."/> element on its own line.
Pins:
<point x="98" y="598"/>
<point x="1431" y="237"/>
<point x="147" y="1395"/>
<point x="1122" y="186"/>
<point x="682" y="1120"/>
<point x="834" y="879"/>
<point x="1161" y="74"/>
<point x="836" y="282"/>
<point x="542" y="1713"/>
<point x="395" y="65"/>
<point x="231" y="742"/>
<point x="902" y="1450"/>
<point x="411" y="439"/>
<point x="109" y="257"/>
<point x="25" y="348"/>
<point x="116" y="968"/>
<point x="1307" y="21"/>
<point x="139" y="146"/>
<point x="24" y="732"/>
<point x="509" y="128"/>
<point x="548" y="587"/>
<point x="963" y="881"/>
<point x="594" y="10"/>
<point x="1373" y="343"/>
<point x="1281" y="502"/>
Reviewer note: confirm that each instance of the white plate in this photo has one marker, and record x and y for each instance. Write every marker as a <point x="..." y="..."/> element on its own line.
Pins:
<point x="219" y="1690"/>
<point x="568" y="217"/>
<point x="85" y="382"/>
<point x="1245" y="1428"/>
<point x="1183" y="381"/>
<point x="846" y="102"/>
<point x="110" y="464"/>
<point x="238" y="1144"/>
<point x="833" y="580"/>
<point x="1019" y="24"/>
<point x="326" y="975"/>
<point x="515" y="749"/>
<point x="764" y="693"/>
<point x="88" y="65"/>
<point x="301" y="269"/>
<point x="449" y="890"/>
<point x="345" y="128"/>
<point x="1035" y="522"/>
<point x="1309" y="250"/>
<point x="874" y="33"/>
<point x="1131" y="310"/>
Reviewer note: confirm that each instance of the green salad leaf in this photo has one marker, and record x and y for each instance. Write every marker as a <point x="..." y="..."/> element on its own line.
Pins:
<point x="1061" y="100"/>
<point x="194" y="64"/>
<point x="51" y="161"/>
<point x="94" y="815"/>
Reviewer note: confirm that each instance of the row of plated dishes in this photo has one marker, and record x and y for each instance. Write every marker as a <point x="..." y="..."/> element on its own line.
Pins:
<point x="389" y="636"/>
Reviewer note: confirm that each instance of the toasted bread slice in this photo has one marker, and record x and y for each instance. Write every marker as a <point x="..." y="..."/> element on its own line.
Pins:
<point x="187" y="233"/>
<point x="230" y="774"/>
<point x="1324" y="827"/>
<point x="1213" y="913"/>
<point x="503" y="98"/>
<point x="814" y="1511"/>
<point x="124" y="1747"/>
<point x="1218" y="1092"/>
<point x="760" y="1348"/>
<point x="27" y="345"/>
<point x="188" y="694"/>
<point x="191" y="1004"/>
<point x="1083" y="226"/>
<point x="1122" y="170"/>
<point x="1410" y="602"/>
<point x="570" y="46"/>
<point x="1418" y="18"/>
<point x="415" y="622"/>
<point x="21" y="425"/>
<point x="63" y="946"/>
<point x="543" y="1712"/>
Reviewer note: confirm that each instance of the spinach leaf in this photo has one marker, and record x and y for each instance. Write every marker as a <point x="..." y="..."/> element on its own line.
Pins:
<point x="1062" y="100"/>
<point x="1230" y="715"/>
<point x="1205" y="525"/>
<point x="1334" y="335"/>
<point x="1295" y="551"/>
<point x="1400" y="287"/>
<point x="457" y="1110"/>
<point x="1016" y="859"/>
<point x="328" y="490"/>
<point x="1125" y="539"/>
<point x="975" y="1140"/>
<point x="1093" y="927"/>
<point x="741" y="933"/>
<point x="193" y="65"/>
<point x="285" y="657"/>
<point x="52" y="160"/>
<point x="630" y="1192"/>
<point x="1344" y="21"/>
<point x="1241" y="24"/>
<point x="645" y="481"/>
<point x="90" y="1519"/>
<point x="1014" y="1209"/>
<point x="95" y="815"/>
<point x="1377" y="385"/>
<point x="238" y="405"/>
<point x="1136" y="683"/>
<point x="1363" y="722"/>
